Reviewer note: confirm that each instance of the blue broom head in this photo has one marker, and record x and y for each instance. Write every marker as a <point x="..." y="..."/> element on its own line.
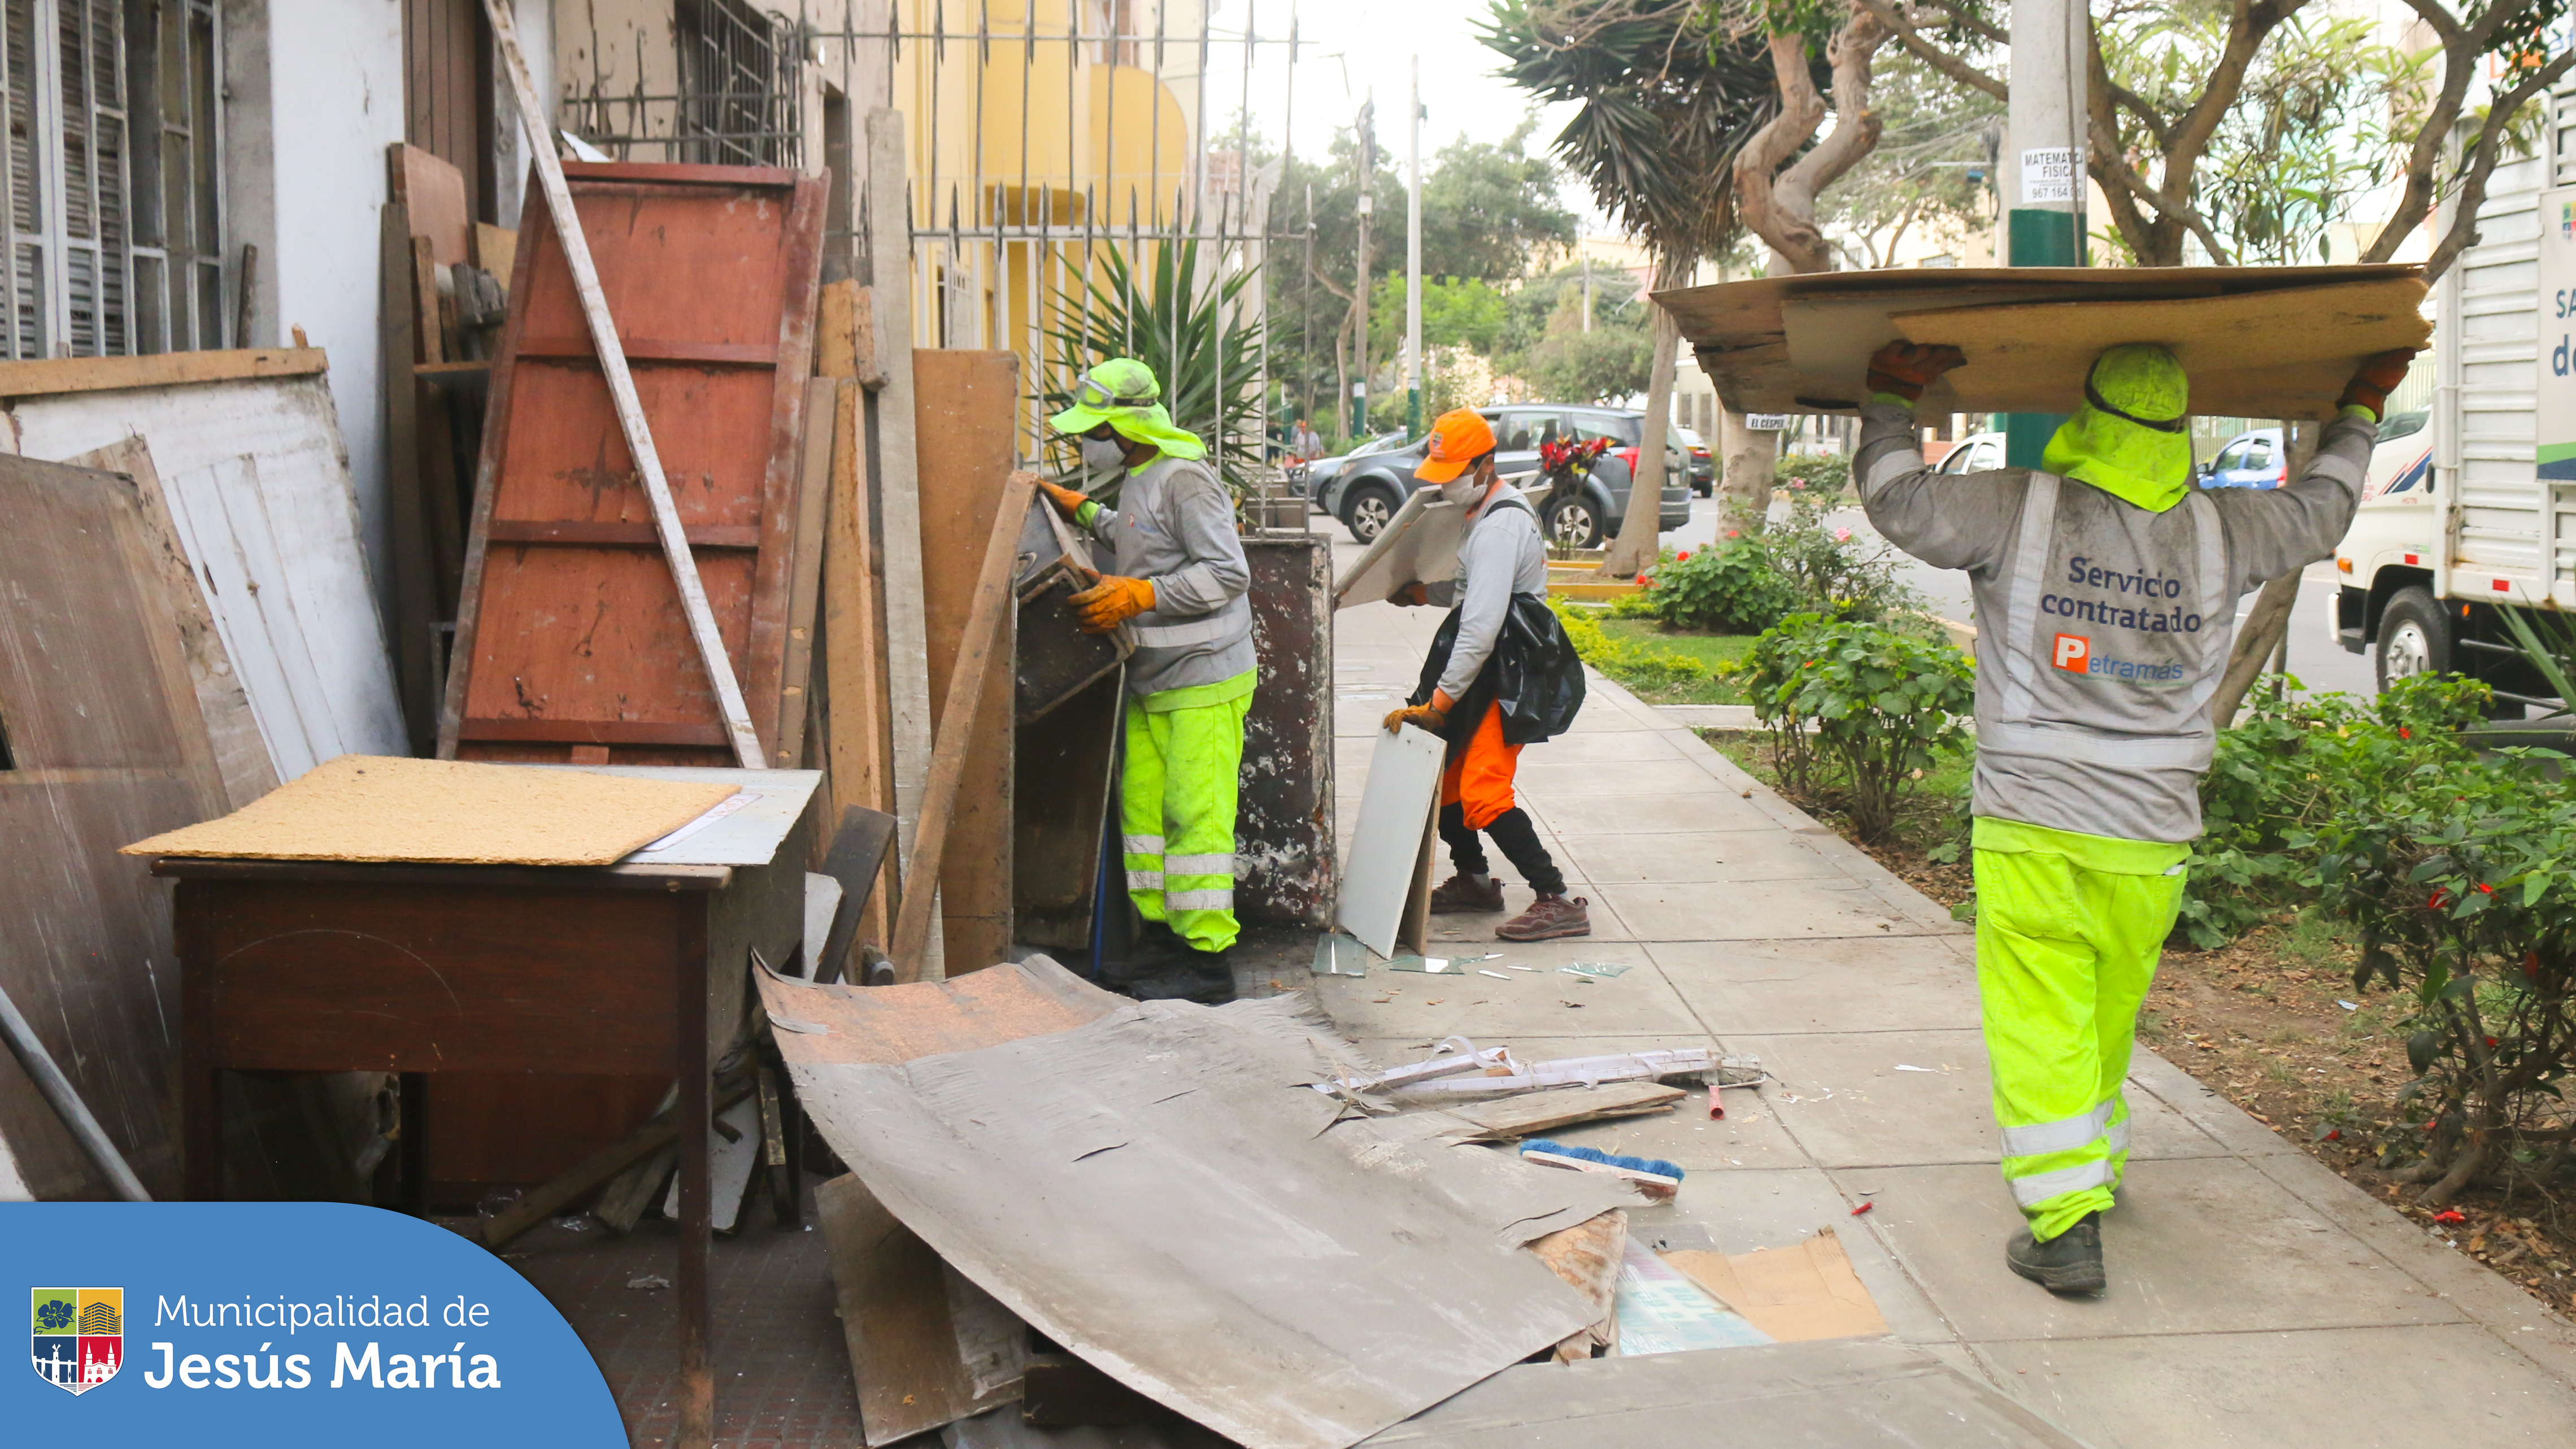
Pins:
<point x="1655" y="1165"/>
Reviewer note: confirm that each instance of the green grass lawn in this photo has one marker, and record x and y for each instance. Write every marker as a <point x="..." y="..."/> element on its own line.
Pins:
<point x="1709" y="650"/>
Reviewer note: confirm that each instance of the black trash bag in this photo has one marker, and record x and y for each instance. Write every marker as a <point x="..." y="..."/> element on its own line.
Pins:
<point x="1533" y="673"/>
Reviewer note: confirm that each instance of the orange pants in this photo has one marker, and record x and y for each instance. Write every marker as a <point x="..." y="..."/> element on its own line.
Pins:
<point x="1478" y="779"/>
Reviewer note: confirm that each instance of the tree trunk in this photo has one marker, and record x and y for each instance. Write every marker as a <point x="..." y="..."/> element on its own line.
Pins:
<point x="1641" y="531"/>
<point x="1749" y="461"/>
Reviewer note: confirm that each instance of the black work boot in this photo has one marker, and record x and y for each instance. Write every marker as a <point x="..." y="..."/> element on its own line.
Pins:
<point x="2071" y="1262"/>
<point x="1461" y="896"/>
<point x="1165" y="967"/>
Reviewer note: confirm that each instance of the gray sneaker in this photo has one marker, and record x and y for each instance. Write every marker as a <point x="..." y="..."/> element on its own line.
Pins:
<point x="1548" y="918"/>
<point x="2071" y="1262"/>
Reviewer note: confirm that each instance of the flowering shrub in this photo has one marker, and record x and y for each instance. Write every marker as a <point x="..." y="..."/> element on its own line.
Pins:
<point x="1636" y="663"/>
<point x="1859" y="706"/>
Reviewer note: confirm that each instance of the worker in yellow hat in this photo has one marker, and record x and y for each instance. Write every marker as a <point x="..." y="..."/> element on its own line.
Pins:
<point x="1501" y="675"/>
<point x="1182" y="588"/>
<point x="2106" y="588"/>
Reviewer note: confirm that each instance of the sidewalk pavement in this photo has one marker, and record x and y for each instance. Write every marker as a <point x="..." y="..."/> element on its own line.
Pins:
<point x="2256" y="1298"/>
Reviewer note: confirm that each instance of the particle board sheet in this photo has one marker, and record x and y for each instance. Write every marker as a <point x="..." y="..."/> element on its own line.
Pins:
<point x="1849" y="1393"/>
<point x="570" y="640"/>
<point x="964" y="406"/>
<point x="256" y="479"/>
<point x="884" y="1025"/>
<point x="1743" y="331"/>
<point x="1331" y="1278"/>
<point x="104" y="742"/>
<point x="2284" y="354"/>
<point x="1387" y="847"/>
<point x="372" y="808"/>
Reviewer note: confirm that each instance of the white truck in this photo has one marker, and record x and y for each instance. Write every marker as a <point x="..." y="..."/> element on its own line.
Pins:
<point x="2472" y="495"/>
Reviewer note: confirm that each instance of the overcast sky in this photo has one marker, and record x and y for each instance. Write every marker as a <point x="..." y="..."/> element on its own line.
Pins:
<point x="1349" y="46"/>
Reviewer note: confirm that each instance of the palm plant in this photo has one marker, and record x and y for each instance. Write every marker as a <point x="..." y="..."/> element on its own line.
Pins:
<point x="1194" y="335"/>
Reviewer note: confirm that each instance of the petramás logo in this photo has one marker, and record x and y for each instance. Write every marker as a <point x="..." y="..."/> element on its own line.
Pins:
<point x="79" y="1336"/>
<point x="2074" y="654"/>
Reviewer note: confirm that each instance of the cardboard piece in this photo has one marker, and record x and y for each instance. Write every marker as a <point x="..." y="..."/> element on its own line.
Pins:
<point x="375" y="808"/>
<point x="1418" y="545"/>
<point x="1801" y="1292"/>
<point x="1382" y="875"/>
<point x="1661" y="1311"/>
<point x="1801" y="344"/>
<point x="1532" y="1113"/>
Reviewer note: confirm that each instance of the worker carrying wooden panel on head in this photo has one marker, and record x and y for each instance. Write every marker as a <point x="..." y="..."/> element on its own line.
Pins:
<point x="2106" y="589"/>
<point x="1501" y="674"/>
<point x="1182" y="585"/>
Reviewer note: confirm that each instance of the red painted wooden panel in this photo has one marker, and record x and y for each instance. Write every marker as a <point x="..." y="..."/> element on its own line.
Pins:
<point x="714" y="271"/>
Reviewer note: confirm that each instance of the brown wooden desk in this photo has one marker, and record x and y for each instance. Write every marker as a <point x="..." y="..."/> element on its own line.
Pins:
<point x="637" y="968"/>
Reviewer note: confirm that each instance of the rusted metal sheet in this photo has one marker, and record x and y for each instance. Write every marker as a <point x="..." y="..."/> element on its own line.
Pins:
<point x="570" y="640"/>
<point x="1284" y="850"/>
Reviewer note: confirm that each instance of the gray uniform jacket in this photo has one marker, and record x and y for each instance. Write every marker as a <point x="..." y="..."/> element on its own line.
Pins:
<point x="1500" y="556"/>
<point x="1174" y="528"/>
<point x="2102" y="628"/>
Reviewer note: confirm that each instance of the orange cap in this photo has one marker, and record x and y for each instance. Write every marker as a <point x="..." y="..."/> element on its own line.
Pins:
<point x="1459" y="438"/>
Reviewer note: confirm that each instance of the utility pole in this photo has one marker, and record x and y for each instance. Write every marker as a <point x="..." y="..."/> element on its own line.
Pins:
<point x="1368" y="173"/>
<point x="1413" y="263"/>
<point x="2052" y="43"/>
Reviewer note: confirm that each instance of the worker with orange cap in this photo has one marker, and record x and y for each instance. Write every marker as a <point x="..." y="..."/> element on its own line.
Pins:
<point x="1501" y="674"/>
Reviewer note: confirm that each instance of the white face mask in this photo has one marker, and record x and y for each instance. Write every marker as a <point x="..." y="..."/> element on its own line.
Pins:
<point x="1104" y="455"/>
<point x="1462" y="490"/>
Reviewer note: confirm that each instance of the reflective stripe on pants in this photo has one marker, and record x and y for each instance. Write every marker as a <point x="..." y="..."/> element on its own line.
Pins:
<point x="2064" y="958"/>
<point x="1176" y="806"/>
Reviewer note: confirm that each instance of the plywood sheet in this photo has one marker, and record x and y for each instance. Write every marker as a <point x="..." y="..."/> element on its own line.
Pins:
<point x="964" y="405"/>
<point x="1386" y="848"/>
<point x="1804" y="1291"/>
<point x="435" y="192"/>
<point x="373" y="808"/>
<point x="569" y="632"/>
<point x="105" y="743"/>
<point x="256" y="478"/>
<point x="927" y="1347"/>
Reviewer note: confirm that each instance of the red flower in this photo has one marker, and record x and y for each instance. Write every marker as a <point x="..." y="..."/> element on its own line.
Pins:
<point x="2490" y="1043"/>
<point x="2483" y="886"/>
<point x="2441" y="898"/>
<point x="2531" y="965"/>
<point x="2404" y="733"/>
<point x="1645" y="581"/>
<point x="1682" y="557"/>
<point x="2335" y="1136"/>
<point x="2453" y="1215"/>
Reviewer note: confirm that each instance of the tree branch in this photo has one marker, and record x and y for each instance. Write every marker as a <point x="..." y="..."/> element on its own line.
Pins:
<point x="2460" y="54"/>
<point x="1946" y="62"/>
<point x="2107" y="159"/>
<point x="1795" y="238"/>
<point x="2473" y="186"/>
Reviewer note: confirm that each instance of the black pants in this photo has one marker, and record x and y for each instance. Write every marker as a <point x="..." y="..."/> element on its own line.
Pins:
<point x="1512" y="831"/>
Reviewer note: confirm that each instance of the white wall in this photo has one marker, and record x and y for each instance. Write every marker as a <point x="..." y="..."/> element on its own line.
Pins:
<point x="334" y="100"/>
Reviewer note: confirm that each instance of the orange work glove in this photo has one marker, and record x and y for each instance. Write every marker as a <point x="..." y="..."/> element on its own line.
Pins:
<point x="1906" y="368"/>
<point x="1111" y="602"/>
<point x="1410" y="594"/>
<point x="1433" y="716"/>
<point x="2378" y="377"/>
<point x="1066" y="501"/>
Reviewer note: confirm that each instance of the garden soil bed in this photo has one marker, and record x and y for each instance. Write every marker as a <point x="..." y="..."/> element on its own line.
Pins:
<point x="2263" y="1021"/>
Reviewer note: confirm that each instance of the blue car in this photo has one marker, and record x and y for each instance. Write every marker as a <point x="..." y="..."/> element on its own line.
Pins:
<point x="2253" y="459"/>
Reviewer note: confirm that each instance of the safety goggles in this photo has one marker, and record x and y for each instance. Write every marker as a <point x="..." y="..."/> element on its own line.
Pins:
<point x="1088" y="393"/>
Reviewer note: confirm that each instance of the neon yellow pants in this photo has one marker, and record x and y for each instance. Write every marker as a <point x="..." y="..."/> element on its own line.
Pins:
<point x="2069" y="927"/>
<point x="1176" y="806"/>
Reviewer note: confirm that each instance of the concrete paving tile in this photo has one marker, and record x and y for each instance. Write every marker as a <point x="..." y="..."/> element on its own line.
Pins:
<point x="1876" y="1114"/>
<point x="1717" y="857"/>
<point x="1552" y="779"/>
<point x="1750" y="1210"/>
<point x="2202" y="1245"/>
<point x="2223" y="1120"/>
<point x="1588" y="746"/>
<point x="1638" y="1001"/>
<point x="1657" y="814"/>
<point x="2522" y="1322"/>
<point x="1789" y="909"/>
<point x="1890" y="983"/>
<point x="2326" y="1388"/>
